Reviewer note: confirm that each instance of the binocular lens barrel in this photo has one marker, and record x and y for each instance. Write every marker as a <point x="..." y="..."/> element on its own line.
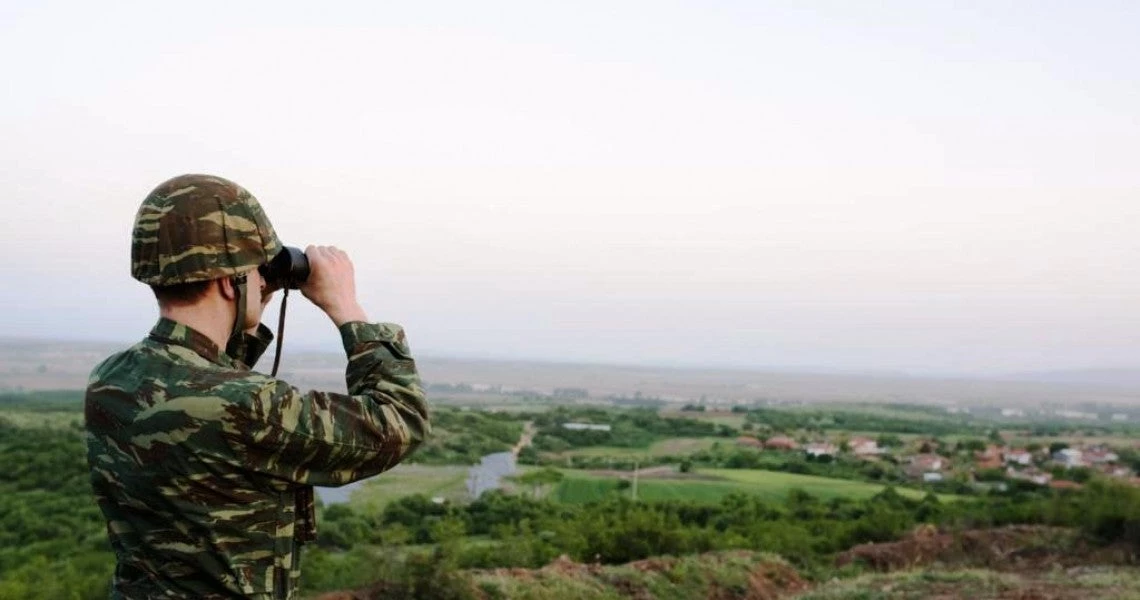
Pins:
<point x="289" y="269"/>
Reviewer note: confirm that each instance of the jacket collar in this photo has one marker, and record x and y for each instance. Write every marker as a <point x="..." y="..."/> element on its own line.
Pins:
<point x="172" y="332"/>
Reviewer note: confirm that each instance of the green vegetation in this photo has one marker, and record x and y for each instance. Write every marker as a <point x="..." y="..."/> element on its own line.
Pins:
<point x="70" y="401"/>
<point x="668" y="448"/>
<point x="462" y="437"/>
<point x="842" y="467"/>
<point x="704" y="454"/>
<point x="910" y="420"/>
<point x="629" y="428"/>
<point x="716" y="484"/>
<point x="802" y="526"/>
<point x="876" y="419"/>
<point x="500" y="530"/>
<point x="713" y="575"/>
<point x="734" y="420"/>
<point x="540" y="480"/>
<point x="53" y="542"/>
<point x="52" y="409"/>
<point x="448" y="482"/>
<point x="1116" y="583"/>
<point x="823" y="487"/>
<point x="398" y="536"/>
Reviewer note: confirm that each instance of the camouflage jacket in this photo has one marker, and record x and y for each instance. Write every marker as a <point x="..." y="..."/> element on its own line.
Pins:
<point x="203" y="468"/>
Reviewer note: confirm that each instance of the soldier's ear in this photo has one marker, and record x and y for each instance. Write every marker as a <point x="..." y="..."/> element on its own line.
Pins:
<point x="226" y="287"/>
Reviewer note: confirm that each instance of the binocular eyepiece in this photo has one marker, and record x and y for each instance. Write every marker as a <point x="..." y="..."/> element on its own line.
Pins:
<point x="288" y="270"/>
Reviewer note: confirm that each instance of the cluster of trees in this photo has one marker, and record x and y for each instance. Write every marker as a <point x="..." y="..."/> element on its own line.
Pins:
<point x="637" y="400"/>
<point x="616" y="530"/>
<point x="822" y="420"/>
<point x="531" y="456"/>
<point x="731" y="456"/>
<point x="463" y="436"/>
<point x="841" y="467"/>
<point x="519" y="531"/>
<point x="631" y="428"/>
<point x="53" y="542"/>
<point x="923" y="419"/>
<point x="43" y="401"/>
<point x="1130" y="457"/>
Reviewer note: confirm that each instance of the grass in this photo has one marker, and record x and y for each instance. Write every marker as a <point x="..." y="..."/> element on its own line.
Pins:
<point x="1096" y="583"/>
<point x="1102" y="578"/>
<point x="64" y="419"/>
<point x="917" y="585"/>
<point x="1021" y="441"/>
<point x="823" y="487"/>
<point x="406" y="480"/>
<point x="715" y="575"/>
<point x="579" y="487"/>
<point x="666" y="447"/>
<point x="734" y="420"/>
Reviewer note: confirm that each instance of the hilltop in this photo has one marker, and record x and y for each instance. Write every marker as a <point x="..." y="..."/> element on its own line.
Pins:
<point x="1011" y="563"/>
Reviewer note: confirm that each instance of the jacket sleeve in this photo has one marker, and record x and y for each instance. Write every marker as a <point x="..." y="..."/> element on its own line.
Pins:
<point x="329" y="439"/>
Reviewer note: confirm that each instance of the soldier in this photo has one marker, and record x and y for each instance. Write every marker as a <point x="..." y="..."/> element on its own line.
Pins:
<point x="202" y="467"/>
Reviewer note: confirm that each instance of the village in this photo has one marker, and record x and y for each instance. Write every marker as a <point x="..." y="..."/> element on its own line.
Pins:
<point x="982" y="464"/>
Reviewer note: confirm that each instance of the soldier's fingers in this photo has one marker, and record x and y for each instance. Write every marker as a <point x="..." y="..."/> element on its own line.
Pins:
<point x="317" y="258"/>
<point x="316" y="254"/>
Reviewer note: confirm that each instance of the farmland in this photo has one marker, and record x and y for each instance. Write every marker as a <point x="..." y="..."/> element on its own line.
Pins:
<point x="578" y="486"/>
<point x="728" y="479"/>
<point x="408" y="480"/>
<point x="713" y="485"/>
<point x="660" y="448"/>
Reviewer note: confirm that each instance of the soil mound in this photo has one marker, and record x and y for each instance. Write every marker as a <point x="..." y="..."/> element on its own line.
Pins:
<point x="730" y="575"/>
<point x="1013" y="547"/>
<point x="760" y="577"/>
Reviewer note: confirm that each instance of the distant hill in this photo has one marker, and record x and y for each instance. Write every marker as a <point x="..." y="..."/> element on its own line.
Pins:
<point x="39" y="364"/>
<point x="1112" y="378"/>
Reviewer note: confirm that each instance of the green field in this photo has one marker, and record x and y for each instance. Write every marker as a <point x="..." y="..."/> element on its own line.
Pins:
<point x="731" y="419"/>
<point x="405" y="480"/>
<point x="62" y="419"/>
<point x="581" y="487"/>
<point x="1102" y="581"/>
<point x="666" y="447"/>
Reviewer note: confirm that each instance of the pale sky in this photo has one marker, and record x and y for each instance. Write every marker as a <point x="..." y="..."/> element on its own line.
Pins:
<point x="930" y="187"/>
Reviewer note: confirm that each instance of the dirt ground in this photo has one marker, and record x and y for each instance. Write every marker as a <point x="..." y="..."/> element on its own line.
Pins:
<point x="1009" y="563"/>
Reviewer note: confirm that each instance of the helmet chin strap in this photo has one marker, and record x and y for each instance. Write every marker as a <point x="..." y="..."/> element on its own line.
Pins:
<point x="280" y="332"/>
<point x="235" y="347"/>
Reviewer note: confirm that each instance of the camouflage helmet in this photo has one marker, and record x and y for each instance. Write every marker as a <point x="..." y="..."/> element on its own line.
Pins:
<point x="197" y="228"/>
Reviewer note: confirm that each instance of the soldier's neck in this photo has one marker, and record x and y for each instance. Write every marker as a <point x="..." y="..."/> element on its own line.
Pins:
<point x="211" y="316"/>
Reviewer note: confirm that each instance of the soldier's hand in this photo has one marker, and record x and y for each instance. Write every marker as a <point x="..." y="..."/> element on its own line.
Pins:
<point x="332" y="284"/>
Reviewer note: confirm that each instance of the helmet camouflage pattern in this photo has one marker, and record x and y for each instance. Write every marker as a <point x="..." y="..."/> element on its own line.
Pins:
<point x="197" y="228"/>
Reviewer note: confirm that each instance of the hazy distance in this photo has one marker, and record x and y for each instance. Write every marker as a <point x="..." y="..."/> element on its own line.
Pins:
<point x="907" y="187"/>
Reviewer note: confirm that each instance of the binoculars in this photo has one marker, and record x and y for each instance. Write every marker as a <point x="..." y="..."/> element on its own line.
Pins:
<point x="288" y="270"/>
